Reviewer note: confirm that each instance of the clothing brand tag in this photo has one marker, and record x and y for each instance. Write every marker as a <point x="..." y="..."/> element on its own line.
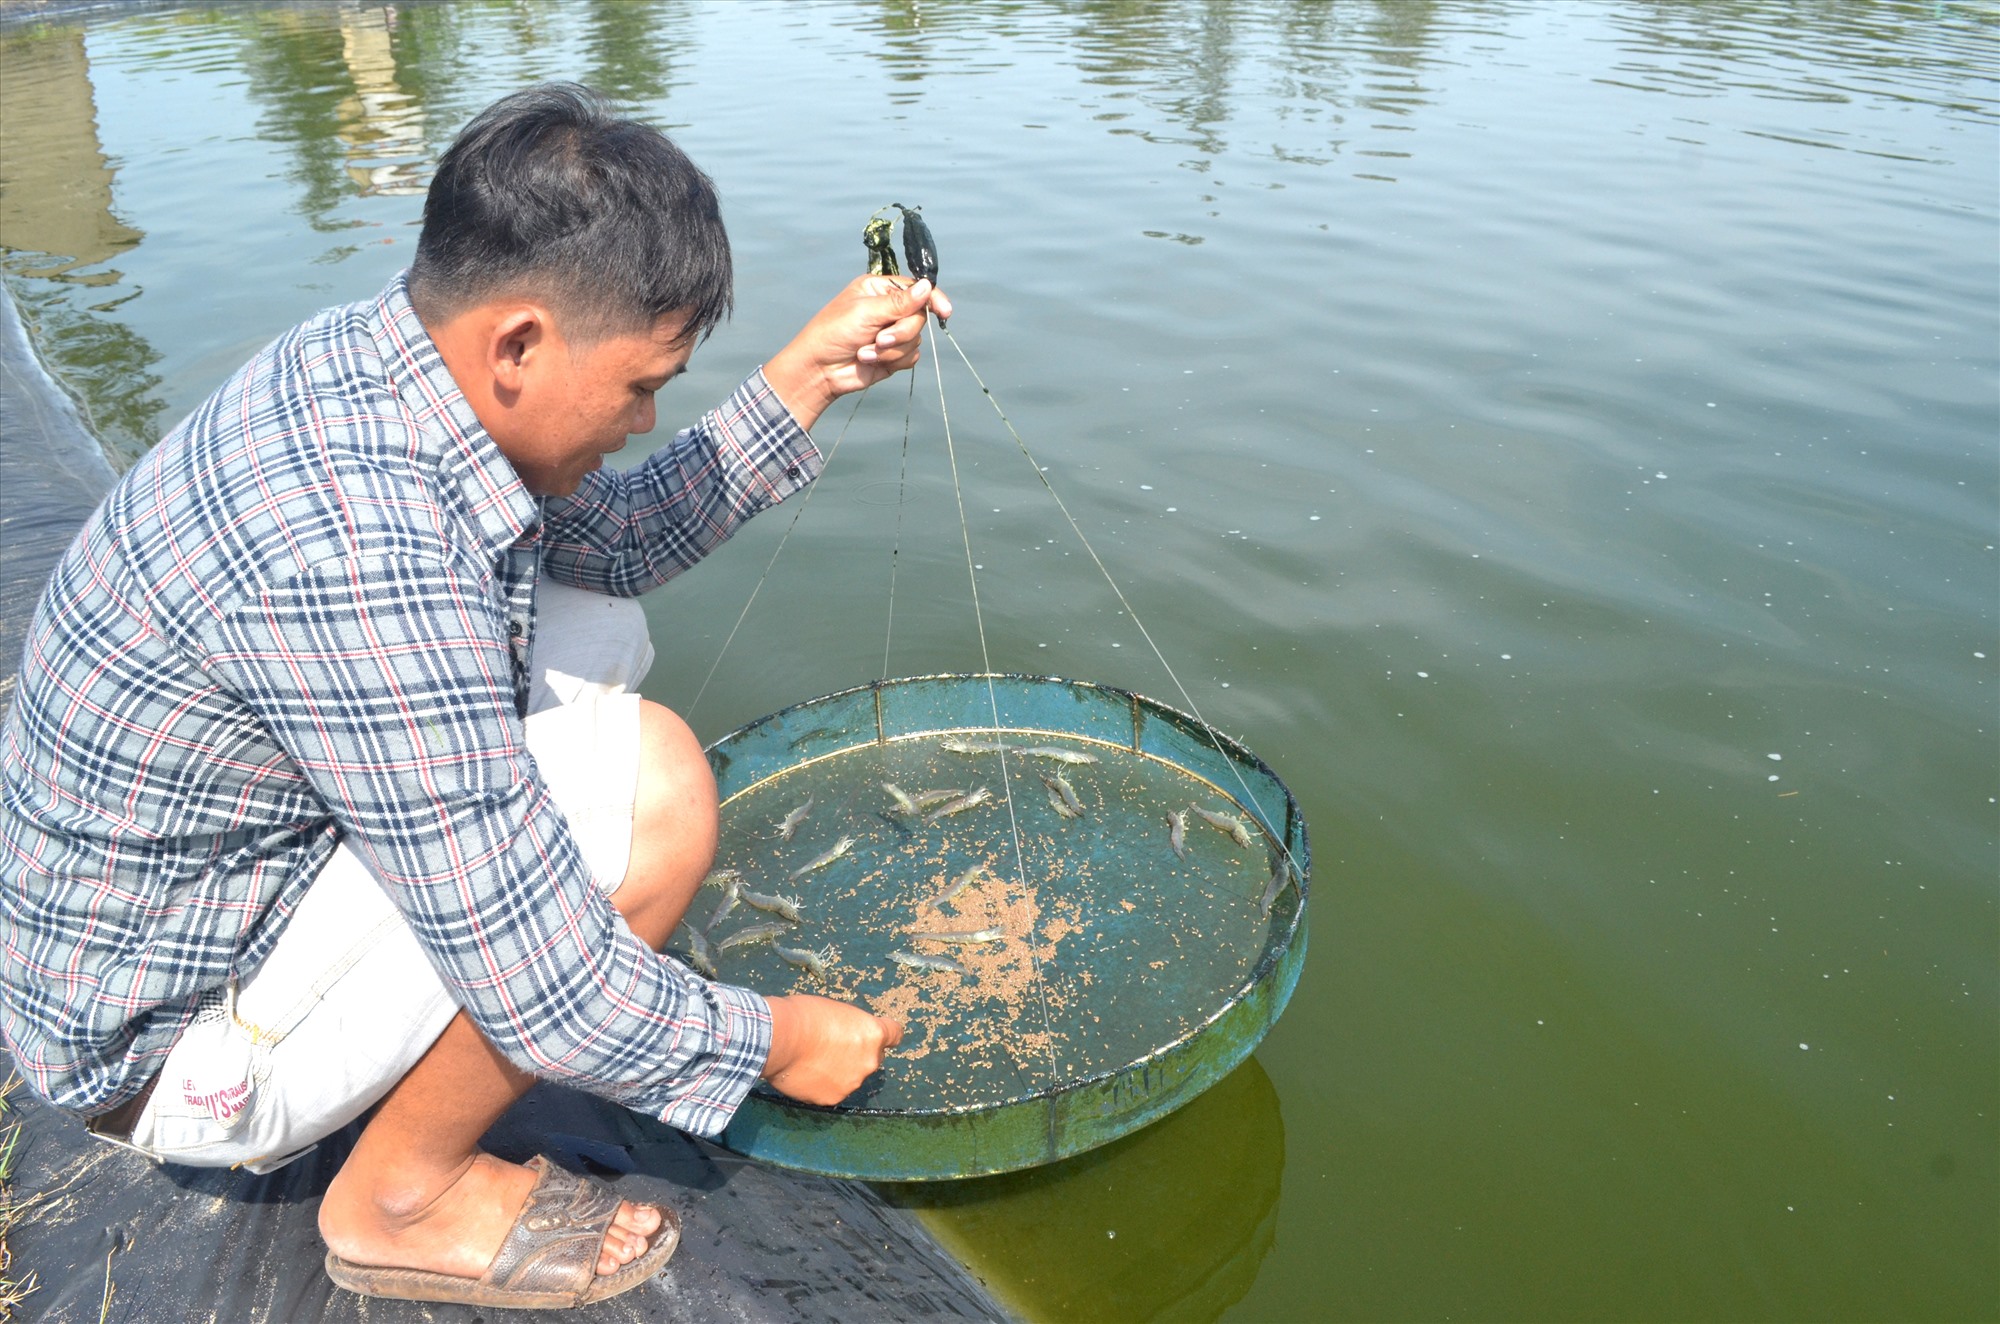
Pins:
<point x="222" y="1104"/>
<point x="213" y="1067"/>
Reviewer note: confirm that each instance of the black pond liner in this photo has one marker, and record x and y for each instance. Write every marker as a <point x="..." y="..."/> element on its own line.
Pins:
<point x="175" y="1243"/>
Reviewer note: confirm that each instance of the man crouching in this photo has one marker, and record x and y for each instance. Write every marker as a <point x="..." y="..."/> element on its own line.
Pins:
<point x="325" y="785"/>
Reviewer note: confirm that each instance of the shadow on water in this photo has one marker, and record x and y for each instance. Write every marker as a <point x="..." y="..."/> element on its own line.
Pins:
<point x="1170" y="1223"/>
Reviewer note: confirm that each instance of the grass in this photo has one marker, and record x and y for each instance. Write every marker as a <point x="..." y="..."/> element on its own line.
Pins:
<point x="13" y="1210"/>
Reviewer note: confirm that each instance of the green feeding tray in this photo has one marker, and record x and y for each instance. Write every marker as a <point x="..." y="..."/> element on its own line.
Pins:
<point x="1126" y="978"/>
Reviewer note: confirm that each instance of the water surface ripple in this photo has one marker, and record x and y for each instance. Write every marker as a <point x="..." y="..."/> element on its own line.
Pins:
<point x="1560" y="439"/>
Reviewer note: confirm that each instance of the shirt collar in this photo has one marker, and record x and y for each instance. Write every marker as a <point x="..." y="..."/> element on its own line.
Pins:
<point x="469" y="461"/>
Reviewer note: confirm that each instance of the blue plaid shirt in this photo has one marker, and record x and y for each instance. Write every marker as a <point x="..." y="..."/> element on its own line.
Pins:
<point x="305" y="618"/>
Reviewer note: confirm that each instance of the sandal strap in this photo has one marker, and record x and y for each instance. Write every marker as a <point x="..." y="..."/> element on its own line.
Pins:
<point x="555" y="1241"/>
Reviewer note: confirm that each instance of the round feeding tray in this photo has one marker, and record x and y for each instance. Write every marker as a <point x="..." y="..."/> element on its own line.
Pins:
<point x="1102" y="979"/>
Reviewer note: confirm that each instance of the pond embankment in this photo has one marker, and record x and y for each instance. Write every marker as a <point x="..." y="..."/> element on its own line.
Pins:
<point x="758" y="1243"/>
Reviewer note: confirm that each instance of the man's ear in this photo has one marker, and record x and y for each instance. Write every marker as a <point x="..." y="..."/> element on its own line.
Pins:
<point x="517" y="338"/>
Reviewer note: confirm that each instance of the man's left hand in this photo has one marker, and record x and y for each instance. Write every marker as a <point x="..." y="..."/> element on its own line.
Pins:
<point x="871" y="329"/>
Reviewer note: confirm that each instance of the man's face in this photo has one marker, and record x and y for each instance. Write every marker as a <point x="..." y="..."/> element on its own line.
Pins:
<point x="578" y="405"/>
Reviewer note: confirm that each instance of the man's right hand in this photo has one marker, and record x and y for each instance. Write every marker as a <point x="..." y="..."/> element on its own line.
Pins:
<point x="821" y="1050"/>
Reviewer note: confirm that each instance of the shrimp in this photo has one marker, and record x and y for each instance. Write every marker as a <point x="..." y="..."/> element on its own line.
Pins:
<point x="812" y="962"/>
<point x="970" y="800"/>
<point x="1060" y="785"/>
<point x="825" y="857"/>
<point x="756" y="933"/>
<point x="923" y="961"/>
<point x="904" y="804"/>
<point x="1226" y="823"/>
<point x="955" y="746"/>
<point x="958" y="885"/>
<point x="784" y="907"/>
<point x="1058" y="753"/>
<point x="732" y="892"/>
<point x="788" y="826"/>
<point x="698" y="954"/>
<point x="1276" y="888"/>
<point x="960" y="935"/>
<point x="1177" y="832"/>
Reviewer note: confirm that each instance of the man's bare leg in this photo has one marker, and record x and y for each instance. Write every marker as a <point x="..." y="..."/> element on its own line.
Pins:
<point x="417" y="1192"/>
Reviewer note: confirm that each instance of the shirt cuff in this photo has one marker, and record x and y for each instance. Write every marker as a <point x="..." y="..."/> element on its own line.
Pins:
<point x="742" y="1029"/>
<point x="764" y="434"/>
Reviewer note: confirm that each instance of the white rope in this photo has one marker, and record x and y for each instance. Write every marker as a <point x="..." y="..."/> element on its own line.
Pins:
<point x="993" y="704"/>
<point x="804" y="501"/>
<point x="1249" y="801"/>
<point x="896" y="547"/>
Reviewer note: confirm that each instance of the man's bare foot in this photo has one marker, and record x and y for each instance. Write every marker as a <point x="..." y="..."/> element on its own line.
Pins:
<point x="452" y="1224"/>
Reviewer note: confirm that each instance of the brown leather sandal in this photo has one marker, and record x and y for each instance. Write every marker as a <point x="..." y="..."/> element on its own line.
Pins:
<point x="549" y="1259"/>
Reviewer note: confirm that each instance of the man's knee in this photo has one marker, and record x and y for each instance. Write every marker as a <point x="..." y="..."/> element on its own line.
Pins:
<point x="586" y="642"/>
<point x="674" y="825"/>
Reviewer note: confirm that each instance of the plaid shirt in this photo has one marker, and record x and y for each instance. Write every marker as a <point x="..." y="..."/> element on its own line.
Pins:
<point x="305" y="618"/>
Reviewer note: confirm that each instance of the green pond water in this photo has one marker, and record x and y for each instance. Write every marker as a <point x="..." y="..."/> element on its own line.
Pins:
<point x="1561" y="439"/>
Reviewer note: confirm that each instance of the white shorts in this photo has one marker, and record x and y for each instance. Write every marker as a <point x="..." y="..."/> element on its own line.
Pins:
<point x="347" y="1002"/>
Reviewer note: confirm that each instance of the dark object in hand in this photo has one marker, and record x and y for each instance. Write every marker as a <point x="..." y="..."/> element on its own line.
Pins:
<point x="881" y="257"/>
<point x="918" y="246"/>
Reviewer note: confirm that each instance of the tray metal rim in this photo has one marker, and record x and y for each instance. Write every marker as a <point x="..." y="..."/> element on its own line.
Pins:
<point x="1231" y="749"/>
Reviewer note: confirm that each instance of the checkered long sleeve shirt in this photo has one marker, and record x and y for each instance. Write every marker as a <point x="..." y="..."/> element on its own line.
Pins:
<point x="305" y="618"/>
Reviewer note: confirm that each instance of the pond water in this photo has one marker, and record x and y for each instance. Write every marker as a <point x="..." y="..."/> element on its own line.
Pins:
<point x="1559" y="439"/>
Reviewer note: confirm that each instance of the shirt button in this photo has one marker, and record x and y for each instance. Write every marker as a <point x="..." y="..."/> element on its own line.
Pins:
<point x="514" y="628"/>
<point x="792" y="472"/>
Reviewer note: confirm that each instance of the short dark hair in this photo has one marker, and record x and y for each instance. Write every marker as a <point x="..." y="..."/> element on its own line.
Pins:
<point x="550" y="193"/>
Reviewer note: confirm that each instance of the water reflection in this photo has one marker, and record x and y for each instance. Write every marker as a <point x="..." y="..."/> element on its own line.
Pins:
<point x="330" y="83"/>
<point x="1181" y="62"/>
<point x="55" y="185"/>
<point x="381" y="126"/>
<point x="1829" y="55"/>
<point x="628" y="44"/>
<point x="1172" y="1222"/>
<point x="1197" y="68"/>
<point x="58" y="229"/>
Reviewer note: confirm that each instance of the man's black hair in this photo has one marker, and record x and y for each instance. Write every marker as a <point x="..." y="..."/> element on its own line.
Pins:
<point x="550" y="194"/>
